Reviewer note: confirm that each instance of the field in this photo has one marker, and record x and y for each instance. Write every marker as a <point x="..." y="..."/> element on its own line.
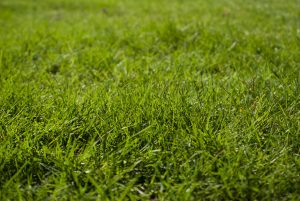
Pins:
<point x="150" y="100"/>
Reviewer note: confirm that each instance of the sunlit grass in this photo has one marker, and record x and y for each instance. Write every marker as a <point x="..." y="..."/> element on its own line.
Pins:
<point x="149" y="100"/>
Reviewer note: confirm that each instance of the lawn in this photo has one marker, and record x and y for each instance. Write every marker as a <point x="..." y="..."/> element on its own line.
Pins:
<point x="150" y="100"/>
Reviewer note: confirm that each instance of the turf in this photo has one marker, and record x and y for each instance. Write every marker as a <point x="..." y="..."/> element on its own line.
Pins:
<point x="150" y="100"/>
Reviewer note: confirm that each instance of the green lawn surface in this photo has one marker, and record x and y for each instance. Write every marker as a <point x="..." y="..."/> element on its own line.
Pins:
<point x="149" y="100"/>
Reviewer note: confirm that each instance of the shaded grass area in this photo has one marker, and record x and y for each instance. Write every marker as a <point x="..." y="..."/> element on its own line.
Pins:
<point x="160" y="100"/>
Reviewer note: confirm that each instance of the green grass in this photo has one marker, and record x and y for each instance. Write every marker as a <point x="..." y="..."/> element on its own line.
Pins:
<point x="150" y="100"/>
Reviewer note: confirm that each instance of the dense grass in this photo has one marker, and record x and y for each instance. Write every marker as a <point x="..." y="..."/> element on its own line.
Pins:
<point x="150" y="100"/>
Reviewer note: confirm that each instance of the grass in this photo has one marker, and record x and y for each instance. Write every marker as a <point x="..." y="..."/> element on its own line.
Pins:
<point x="149" y="100"/>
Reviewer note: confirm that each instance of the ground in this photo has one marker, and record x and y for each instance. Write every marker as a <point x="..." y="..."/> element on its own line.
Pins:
<point x="150" y="100"/>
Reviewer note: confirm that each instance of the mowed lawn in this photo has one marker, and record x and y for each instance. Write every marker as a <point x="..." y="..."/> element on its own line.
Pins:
<point x="150" y="100"/>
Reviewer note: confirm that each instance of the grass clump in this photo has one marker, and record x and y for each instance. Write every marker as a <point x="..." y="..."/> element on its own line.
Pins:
<point x="160" y="100"/>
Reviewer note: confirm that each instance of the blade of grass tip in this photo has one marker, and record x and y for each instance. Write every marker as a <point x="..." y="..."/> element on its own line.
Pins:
<point x="104" y="137"/>
<point x="17" y="115"/>
<point x="136" y="134"/>
<point x="141" y="131"/>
